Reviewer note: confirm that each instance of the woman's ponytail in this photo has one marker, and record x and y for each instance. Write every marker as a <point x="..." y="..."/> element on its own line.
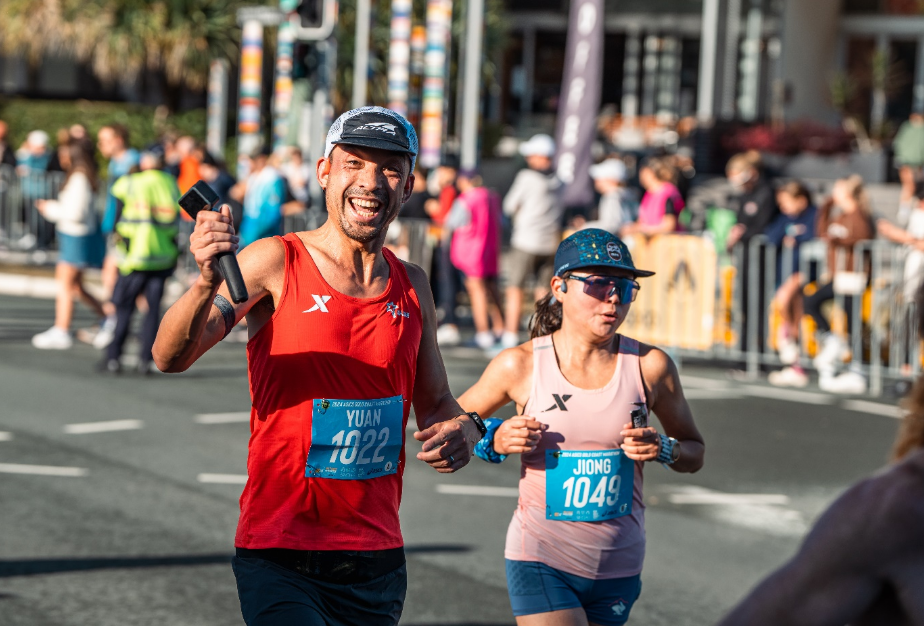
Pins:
<point x="547" y="318"/>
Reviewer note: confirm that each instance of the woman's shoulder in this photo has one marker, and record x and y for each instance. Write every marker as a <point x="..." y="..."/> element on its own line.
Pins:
<point x="514" y="362"/>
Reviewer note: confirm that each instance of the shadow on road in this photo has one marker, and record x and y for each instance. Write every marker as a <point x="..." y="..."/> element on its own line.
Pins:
<point x="36" y="567"/>
<point x="436" y="547"/>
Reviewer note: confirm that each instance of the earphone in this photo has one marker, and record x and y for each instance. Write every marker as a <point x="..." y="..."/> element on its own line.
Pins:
<point x="564" y="287"/>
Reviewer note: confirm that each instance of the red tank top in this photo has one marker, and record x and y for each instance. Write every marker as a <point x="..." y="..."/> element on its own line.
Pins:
<point x="319" y="344"/>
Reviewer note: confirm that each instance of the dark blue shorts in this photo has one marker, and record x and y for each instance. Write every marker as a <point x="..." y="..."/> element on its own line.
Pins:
<point x="537" y="588"/>
<point x="272" y="595"/>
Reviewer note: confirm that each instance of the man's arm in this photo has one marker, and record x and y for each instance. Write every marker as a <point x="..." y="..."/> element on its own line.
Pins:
<point x="443" y="428"/>
<point x="835" y="577"/>
<point x="193" y="325"/>
<point x="513" y="200"/>
<point x="666" y="400"/>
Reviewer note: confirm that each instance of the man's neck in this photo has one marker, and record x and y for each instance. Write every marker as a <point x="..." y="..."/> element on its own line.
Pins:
<point x="364" y="260"/>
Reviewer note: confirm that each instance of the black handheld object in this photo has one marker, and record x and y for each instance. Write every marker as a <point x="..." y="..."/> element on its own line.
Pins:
<point x="201" y="197"/>
<point x="639" y="415"/>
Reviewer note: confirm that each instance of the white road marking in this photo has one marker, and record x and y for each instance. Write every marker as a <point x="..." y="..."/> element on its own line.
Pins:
<point x="42" y="470"/>
<point x="791" y="395"/>
<point x="478" y="490"/>
<point x="5" y="436"/>
<point x="223" y="479"/>
<point x="102" y="427"/>
<point x="222" y="418"/>
<point x="704" y="383"/>
<point x="712" y="394"/>
<point x="876" y="408"/>
<point x="760" y="512"/>
<point x="728" y="498"/>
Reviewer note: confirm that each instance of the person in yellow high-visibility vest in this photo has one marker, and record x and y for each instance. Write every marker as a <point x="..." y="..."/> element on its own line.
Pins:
<point x="146" y="229"/>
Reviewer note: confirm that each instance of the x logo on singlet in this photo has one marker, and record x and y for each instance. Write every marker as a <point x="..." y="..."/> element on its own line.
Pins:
<point x="320" y="304"/>
<point x="559" y="402"/>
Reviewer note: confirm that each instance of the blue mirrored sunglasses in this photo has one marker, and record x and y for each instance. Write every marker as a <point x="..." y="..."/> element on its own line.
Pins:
<point x="604" y="287"/>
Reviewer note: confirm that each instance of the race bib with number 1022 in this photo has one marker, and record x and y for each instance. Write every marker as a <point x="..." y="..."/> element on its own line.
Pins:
<point x="588" y="485"/>
<point x="355" y="439"/>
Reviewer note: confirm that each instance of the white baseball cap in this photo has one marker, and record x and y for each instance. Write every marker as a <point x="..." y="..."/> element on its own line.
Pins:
<point x="611" y="169"/>
<point x="538" y="145"/>
<point x="38" y="138"/>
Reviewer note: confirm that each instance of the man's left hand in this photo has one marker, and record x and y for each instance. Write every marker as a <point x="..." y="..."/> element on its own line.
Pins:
<point x="447" y="446"/>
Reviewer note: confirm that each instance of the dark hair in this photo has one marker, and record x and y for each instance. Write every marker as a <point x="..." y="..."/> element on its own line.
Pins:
<point x="795" y="189"/>
<point x="120" y="131"/>
<point x="80" y="161"/>
<point x="547" y="318"/>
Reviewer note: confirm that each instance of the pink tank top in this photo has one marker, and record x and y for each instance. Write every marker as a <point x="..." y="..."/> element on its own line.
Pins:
<point x="579" y="419"/>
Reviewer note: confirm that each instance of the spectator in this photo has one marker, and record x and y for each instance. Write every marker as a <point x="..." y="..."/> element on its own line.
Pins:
<point x="909" y="153"/>
<point x="794" y="226"/>
<point x="911" y="215"/>
<point x="7" y="156"/>
<point x="216" y="175"/>
<point x="682" y="162"/>
<point x="147" y="226"/>
<point x="618" y="204"/>
<point x="262" y="193"/>
<point x="416" y="206"/>
<point x="441" y="184"/>
<point x="189" y="155"/>
<point x="80" y="244"/>
<point x="33" y="159"/>
<point x="62" y="141"/>
<point x="536" y="212"/>
<point x="475" y="227"/>
<point x="659" y="211"/>
<point x="298" y="174"/>
<point x="843" y="221"/>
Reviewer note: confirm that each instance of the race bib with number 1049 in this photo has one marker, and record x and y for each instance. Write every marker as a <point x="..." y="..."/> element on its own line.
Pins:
<point x="355" y="439"/>
<point x="588" y="485"/>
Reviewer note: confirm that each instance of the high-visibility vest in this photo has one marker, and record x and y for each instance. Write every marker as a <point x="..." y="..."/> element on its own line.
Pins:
<point x="149" y="224"/>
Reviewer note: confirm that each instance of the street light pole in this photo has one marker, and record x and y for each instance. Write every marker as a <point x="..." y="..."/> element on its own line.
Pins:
<point x="472" y="86"/>
<point x="361" y="59"/>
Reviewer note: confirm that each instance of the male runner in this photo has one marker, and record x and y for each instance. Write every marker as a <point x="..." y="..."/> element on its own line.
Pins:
<point x="342" y="341"/>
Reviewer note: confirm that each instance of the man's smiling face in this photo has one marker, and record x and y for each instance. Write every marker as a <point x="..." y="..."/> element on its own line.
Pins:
<point x="364" y="188"/>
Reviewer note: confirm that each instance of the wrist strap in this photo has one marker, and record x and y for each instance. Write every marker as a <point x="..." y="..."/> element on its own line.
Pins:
<point x="484" y="449"/>
<point x="664" y="455"/>
<point x="227" y="312"/>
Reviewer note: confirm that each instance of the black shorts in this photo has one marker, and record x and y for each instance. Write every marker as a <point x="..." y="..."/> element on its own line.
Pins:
<point x="274" y="594"/>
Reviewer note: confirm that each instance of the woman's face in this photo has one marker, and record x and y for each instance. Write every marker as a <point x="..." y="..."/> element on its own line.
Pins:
<point x="791" y="205"/>
<point x="600" y="318"/>
<point x="842" y="198"/>
<point x="647" y="178"/>
<point x="742" y="178"/>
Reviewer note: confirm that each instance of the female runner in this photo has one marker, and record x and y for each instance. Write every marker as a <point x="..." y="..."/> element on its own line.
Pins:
<point x="576" y="543"/>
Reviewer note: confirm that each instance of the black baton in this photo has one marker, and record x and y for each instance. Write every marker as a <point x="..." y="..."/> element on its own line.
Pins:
<point x="200" y="197"/>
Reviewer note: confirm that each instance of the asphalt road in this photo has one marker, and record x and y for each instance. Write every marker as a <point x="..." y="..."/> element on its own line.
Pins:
<point x="118" y="496"/>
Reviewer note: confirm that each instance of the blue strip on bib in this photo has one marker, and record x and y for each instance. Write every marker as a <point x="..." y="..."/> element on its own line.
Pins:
<point x="355" y="439"/>
<point x="588" y="485"/>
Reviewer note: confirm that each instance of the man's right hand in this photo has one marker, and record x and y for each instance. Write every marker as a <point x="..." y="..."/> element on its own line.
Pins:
<point x="213" y="235"/>
<point x="518" y="435"/>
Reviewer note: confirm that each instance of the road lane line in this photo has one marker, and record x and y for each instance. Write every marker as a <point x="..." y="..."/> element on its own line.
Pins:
<point x="478" y="490"/>
<point x="86" y="428"/>
<point x="697" y="393"/>
<point x="5" y="436"/>
<point x="42" y="470"/>
<point x="876" y="408"/>
<point x="790" y="395"/>
<point x="728" y="498"/>
<point x="222" y="418"/>
<point x="704" y="383"/>
<point x="223" y="479"/>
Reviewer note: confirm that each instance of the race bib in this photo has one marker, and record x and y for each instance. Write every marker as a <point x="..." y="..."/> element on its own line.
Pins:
<point x="355" y="439"/>
<point x="588" y="485"/>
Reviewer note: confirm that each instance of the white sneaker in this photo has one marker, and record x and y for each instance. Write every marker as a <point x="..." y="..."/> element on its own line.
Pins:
<point x="849" y="383"/>
<point x="485" y="340"/>
<point x="788" y="377"/>
<point x="448" y="335"/>
<point x="789" y="351"/>
<point x="106" y="331"/>
<point x="833" y="351"/>
<point x="510" y="340"/>
<point x="53" y="339"/>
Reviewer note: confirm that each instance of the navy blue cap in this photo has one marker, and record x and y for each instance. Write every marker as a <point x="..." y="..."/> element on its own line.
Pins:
<point x="594" y="247"/>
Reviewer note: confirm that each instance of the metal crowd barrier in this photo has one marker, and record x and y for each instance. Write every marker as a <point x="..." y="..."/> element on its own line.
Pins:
<point x="21" y="226"/>
<point x="696" y="304"/>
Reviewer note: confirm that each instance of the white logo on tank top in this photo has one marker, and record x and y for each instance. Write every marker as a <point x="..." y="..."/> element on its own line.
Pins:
<point x="320" y="304"/>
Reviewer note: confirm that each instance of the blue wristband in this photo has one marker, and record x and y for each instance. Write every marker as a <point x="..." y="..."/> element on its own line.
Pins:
<point x="484" y="449"/>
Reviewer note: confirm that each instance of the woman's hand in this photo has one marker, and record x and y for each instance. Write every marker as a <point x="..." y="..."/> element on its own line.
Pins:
<point x="518" y="435"/>
<point x="40" y="206"/>
<point x="641" y="444"/>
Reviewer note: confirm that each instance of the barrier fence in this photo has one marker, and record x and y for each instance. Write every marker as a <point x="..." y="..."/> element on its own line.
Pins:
<point x="701" y="302"/>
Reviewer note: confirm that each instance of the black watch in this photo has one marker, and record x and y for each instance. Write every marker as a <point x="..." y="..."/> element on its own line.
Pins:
<point x="478" y="422"/>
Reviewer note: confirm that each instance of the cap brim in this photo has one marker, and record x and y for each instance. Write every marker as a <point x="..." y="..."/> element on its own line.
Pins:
<point x="643" y="273"/>
<point x="369" y="142"/>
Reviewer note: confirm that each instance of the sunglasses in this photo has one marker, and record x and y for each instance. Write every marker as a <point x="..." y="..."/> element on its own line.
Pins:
<point x="604" y="287"/>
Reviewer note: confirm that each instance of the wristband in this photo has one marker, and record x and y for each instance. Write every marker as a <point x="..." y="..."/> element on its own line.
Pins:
<point x="227" y="312"/>
<point x="484" y="449"/>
